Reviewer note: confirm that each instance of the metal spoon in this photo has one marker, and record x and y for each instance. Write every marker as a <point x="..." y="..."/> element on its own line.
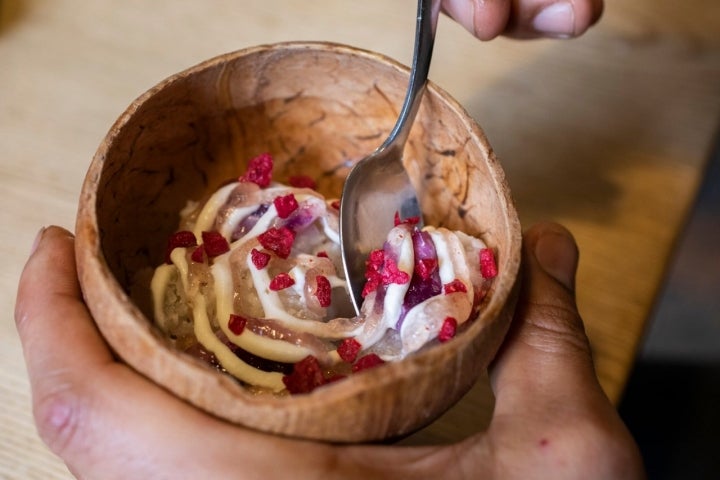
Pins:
<point x="378" y="185"/>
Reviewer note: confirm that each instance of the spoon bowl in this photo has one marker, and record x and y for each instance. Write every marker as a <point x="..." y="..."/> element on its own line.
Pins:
<point x="379" y="186"/>
<point x="318" y="108"/>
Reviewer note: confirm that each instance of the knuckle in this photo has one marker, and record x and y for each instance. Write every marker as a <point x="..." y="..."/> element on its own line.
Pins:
<point x="59" y="413"/>
<point x="21" y="318"/>
<point x="555" y="329"/>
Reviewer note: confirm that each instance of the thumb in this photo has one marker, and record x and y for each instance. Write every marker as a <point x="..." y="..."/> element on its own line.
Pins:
<point x="546" y="356"/>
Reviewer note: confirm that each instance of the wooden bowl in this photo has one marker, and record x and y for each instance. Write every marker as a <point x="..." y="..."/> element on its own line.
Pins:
<point x="317" y="107"/>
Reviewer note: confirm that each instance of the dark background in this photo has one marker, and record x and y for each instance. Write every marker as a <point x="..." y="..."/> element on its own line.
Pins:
<point x="672" y="401"/>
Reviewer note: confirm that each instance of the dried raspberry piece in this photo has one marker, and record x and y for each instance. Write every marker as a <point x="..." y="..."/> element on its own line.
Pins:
<point x="278" y="240"/>
<point x="392" y="274"/>
<point x="373" y="264"/>
<point x="306" y="376"/>
<point x="408" y="220"/>
<point x="370" y="360"/>
<point x="348" y="349"/>
<point x="259" y="170"/>
<point x="375" y="261"/>
<point x="198" y="255"/>
<point x="381" y="270"/>
<point x="302" y="181"/>
<point x="371" y="285"/>
<point x="335" y="204"/>
<point x="181" y="239"/>
<point x="455" y="286"/>
<point x="215" y="244"/>
<point x="236" y="324"/>
<point x="425" y="267"/>
<point x="323" y="290"/>
<point x="281" y="282"/>
<point x="488" y="267"/>
<point x="322" y="254"/>
<point x="285" y="205"/>
<point x="259" y="259"/>
<point x="448" y="329"/>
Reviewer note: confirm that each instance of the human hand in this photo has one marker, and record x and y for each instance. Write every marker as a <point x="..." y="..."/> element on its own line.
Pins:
<point x="551" y="418"/>
<point x="486" y="19"/>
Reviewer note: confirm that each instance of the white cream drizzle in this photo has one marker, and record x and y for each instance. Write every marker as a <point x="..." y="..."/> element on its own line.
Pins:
<point x="452" y="262"/>
<point x="206" y="217"/>
<point x="226" y="357"/>
<point x="158" y="284"/>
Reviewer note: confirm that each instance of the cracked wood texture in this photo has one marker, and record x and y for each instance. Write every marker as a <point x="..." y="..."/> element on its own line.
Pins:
<point x="608" y="134"/>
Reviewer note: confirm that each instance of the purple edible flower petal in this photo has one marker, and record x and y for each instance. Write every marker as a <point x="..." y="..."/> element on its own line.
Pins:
<point x="302" y="217"/>
<point x="249" y="222"/>
<point x="421" y="289"/>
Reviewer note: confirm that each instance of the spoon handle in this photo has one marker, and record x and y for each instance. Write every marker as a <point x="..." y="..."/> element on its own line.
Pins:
<point x="427" y="19"/>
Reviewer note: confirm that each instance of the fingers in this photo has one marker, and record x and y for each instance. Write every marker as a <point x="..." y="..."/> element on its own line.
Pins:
<point x="486" y="19"/>
<point x="47" y="305"/>
<point x="552" y="18"/>
<point x="61" y="346"/>
<point x="48" y="300"/>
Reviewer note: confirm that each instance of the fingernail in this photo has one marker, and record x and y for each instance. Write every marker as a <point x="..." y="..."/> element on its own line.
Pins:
<point x="557" y="20"/>
<point x="36" y="242"/>
<point x="557" y="254"/>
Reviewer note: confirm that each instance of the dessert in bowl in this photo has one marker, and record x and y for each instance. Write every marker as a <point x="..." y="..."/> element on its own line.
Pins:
<point x="317" y="108"/>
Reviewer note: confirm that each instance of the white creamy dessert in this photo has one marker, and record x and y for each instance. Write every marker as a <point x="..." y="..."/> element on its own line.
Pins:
<point x="253" y="283"/>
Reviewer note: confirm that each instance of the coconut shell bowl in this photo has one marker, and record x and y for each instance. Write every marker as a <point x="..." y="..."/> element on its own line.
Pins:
<point x="317" y="108"/>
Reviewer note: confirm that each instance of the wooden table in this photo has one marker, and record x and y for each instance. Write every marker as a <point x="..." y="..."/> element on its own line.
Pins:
<point x="608" y="134"/>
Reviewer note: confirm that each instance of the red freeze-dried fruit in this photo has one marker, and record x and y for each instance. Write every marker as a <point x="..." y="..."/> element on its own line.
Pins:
<point x="259" y="170"/>
<point x="348" y="349"/>
<point x="455" y="286"/>
<point x="380" y="269"/>
<point x="370" y="360"/>
<point x="335" y="204"/>
<point x="306" y="376"/>
<point x="375" y="260"/>
<point x="488" y="267"/>
<point x="236" y="324"/>
<point x="181" y="239"/>
<point x="425" y="267"/>
<point x="323" y="254"/>
<point x="278" y="240"/>
<point x="302" y="181"/>
<point x="198" y="255"/>
<point x="285" y="205"/>
<point x="259" y="259"/>
<point x="373" y="277"/>
<point x="408" y="220"/>
<point x="281" y="281"/>
<point x="214" y="243"/>
<point x="323" y="290"/>
<point x="371" y="285"/>
<point x="448" y="329"/>
<point x="392" y="274"/>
